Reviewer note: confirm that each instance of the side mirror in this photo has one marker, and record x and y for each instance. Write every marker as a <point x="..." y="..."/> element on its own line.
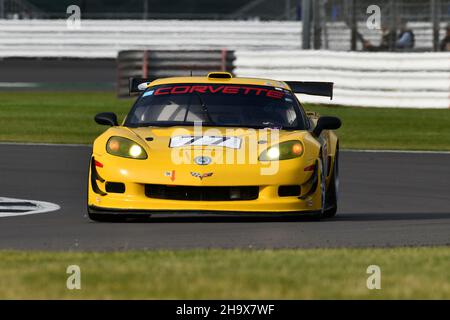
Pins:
<point x="326" y="123"/>
<point x="106" y="118"/>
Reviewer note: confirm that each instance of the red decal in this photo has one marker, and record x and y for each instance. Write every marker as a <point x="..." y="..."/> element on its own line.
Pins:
<point x="231" y="90"/>
<point x="199" y="89"/>
<point x="160" y="91"/>
<point x="219" y="89"/>
<point x="180" y="89"/>
<point x="275" y="94"/>
<point x="257" y="90"/>
<point x="212" y="90"/>
<point x="98" y="164"/>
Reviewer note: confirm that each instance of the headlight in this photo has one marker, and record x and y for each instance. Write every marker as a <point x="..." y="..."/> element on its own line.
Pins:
<point x="123" y="147"/>
<point x="283" y="151"/>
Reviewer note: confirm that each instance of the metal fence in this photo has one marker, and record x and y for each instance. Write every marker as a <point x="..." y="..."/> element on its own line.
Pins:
<point x="332" y="10"/>
<point x="426" y="18"/>
<point x="327" y="24"/>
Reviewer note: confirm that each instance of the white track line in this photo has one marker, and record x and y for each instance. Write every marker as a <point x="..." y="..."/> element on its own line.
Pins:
<point x="396" y="151"/>
<point x="45" y="144"/>
<point x="39" y="207"/>
<point x="19" y="85"/>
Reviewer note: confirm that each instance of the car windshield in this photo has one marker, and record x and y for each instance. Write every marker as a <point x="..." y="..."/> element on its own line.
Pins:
<point x="216" y="105"/>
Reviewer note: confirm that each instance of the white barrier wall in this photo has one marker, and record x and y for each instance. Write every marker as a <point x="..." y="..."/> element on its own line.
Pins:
<point x="266" y="49"/>
<point x="405" y="80"/>
<point x="105" y="38"/>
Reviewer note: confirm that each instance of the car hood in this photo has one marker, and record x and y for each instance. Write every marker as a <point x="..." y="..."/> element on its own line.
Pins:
<point x="213" y="138"/>
<point x="236" y="163"/>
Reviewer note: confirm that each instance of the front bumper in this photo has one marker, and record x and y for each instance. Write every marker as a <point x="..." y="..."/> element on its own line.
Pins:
<point x="135" y="199"/>
<point x="200" y="213"/>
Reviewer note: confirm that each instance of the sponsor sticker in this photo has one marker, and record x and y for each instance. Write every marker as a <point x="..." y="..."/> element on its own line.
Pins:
<point x="170" y="174"/>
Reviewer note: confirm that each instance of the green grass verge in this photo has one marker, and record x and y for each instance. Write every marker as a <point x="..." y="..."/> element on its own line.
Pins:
<point x="55" y="117"/>
<point x="67" y="117"/>
<point x="406" y="273"/>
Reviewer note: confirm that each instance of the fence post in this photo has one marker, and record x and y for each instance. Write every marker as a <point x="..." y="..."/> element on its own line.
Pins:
<point x="287" y="9"/>
<point x="353" y="25"/>
<point x="306" y="24"/>
<point x="224" y="55"/>
<point x="145" y="10"/>
<point x="2" y="9"/>
<point x="435" y="18"/>
<point x="317" y="23"/>
<point x="145" y="64"/>
<point x="393" y="24"/>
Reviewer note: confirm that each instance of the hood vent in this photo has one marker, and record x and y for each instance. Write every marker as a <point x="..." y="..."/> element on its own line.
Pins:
<point x="220" y="75"/>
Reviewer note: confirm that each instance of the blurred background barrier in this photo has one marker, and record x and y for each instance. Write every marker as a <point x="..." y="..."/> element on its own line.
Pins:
<point x="105" y="38"/>
<point x="159" y="38"/>
<point x="414" y="80"/>
<point x="161" y="64"/>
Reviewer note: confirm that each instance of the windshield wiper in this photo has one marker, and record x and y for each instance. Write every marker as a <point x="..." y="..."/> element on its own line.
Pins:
<point x="204" y="108"/>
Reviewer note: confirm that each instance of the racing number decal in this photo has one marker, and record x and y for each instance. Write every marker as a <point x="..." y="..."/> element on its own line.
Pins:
<point x="227" y="142"/>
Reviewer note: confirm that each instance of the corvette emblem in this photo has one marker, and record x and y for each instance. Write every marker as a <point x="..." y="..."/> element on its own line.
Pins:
<point x="200" y="175"/>
<point x="202" y="160"/>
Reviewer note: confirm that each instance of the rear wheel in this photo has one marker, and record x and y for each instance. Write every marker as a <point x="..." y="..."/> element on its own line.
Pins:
<point x="333" y="189"/>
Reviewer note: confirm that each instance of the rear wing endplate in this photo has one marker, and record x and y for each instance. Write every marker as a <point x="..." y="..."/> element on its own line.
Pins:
<point x="314" y="88"/>
<point x="137" y="85"/>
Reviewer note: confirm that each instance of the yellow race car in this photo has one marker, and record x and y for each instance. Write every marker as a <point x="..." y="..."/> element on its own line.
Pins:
<point x="215" y="144"/>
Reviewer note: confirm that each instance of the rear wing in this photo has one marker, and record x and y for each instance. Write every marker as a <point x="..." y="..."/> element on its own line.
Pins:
<point x="137" y="85"/>
<point x="324" y="89"/>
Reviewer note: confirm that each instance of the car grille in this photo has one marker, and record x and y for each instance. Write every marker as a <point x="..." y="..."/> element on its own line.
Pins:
<point x="193" y="193"/>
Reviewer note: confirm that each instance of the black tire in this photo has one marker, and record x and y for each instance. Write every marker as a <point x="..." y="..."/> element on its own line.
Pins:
<point x="333" y="189"/>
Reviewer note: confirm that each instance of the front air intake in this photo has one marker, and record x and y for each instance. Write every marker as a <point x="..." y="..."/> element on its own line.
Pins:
<point x="115" y="187"/>
<point x="200" y="193"/>
<point x="289" y="191"/>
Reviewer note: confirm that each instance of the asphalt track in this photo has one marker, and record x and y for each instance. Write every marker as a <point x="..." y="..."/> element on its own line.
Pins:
<point x="387" y="199"/>
<point x="57" y="74"/>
